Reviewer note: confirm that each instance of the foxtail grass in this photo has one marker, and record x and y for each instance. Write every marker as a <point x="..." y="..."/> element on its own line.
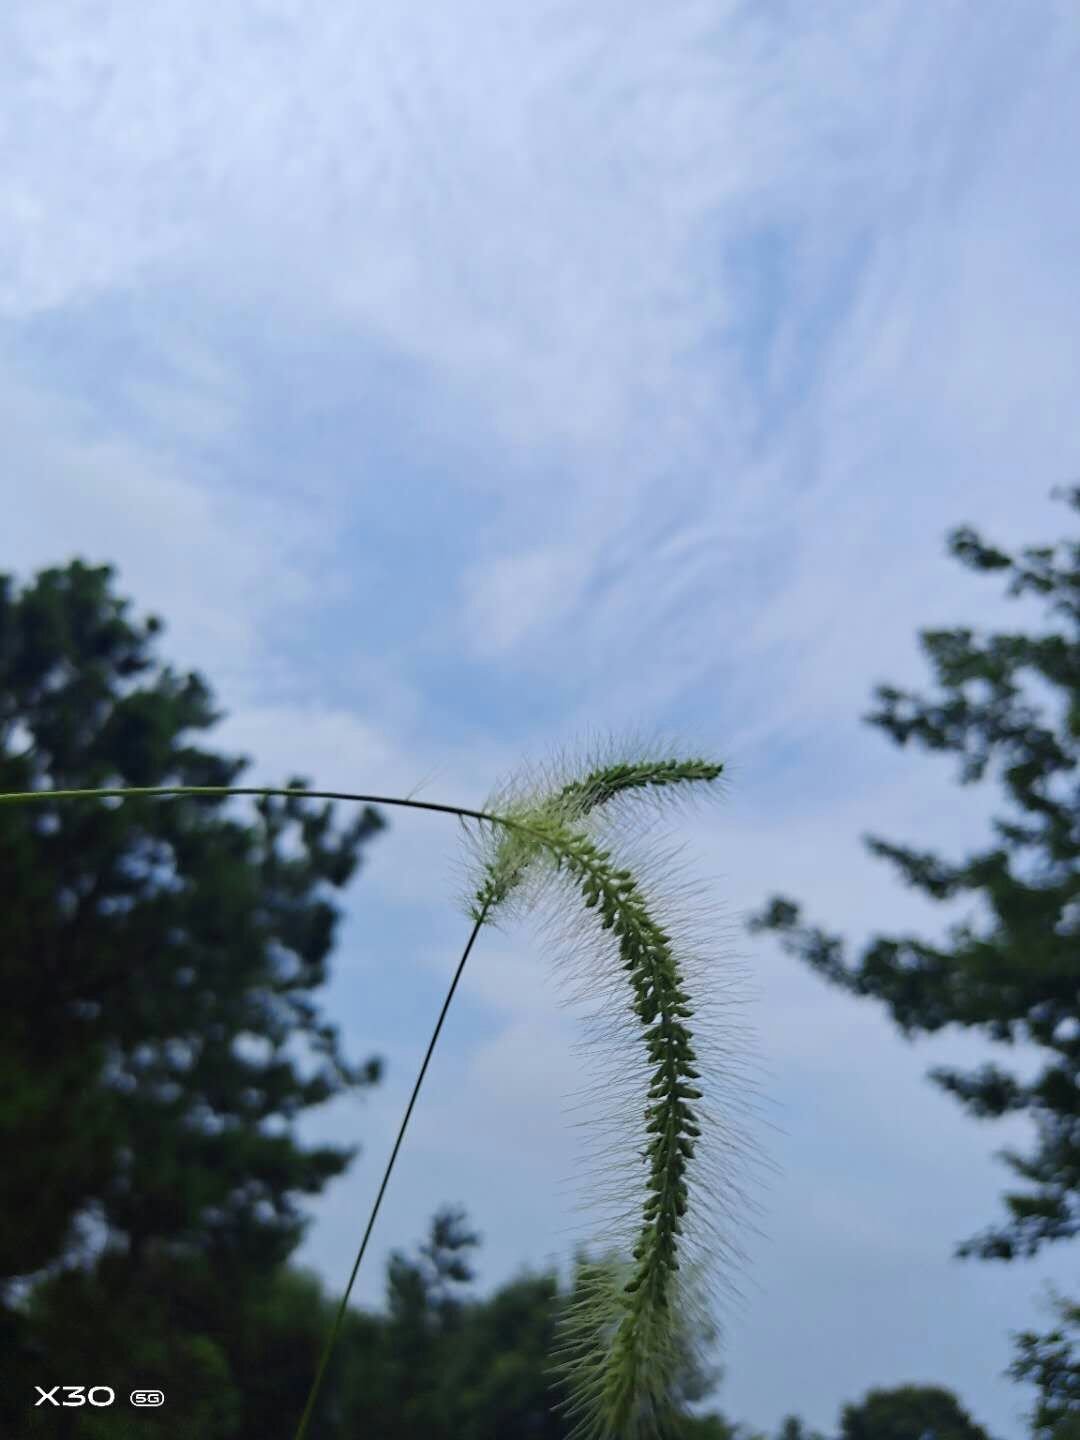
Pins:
<point x="629" y="934"/>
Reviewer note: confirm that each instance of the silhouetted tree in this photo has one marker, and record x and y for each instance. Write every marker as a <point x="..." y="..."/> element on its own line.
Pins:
<point x="1020" y="978"/>
<point x="909" y="1412"/>
<point x="1051" y="1362"/>
<point x="158" y="961"/>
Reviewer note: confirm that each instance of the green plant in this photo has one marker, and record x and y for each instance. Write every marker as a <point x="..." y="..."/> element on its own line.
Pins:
<point x="556" y="832"/>
<point x="1013" y="978"/>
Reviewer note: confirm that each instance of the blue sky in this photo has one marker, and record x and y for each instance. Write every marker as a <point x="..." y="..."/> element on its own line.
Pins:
<point x="456" y="379"/>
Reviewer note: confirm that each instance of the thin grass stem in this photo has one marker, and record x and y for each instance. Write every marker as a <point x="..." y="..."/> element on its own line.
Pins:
<point x="295" y="791"/>
<point x="313" y="1395"/>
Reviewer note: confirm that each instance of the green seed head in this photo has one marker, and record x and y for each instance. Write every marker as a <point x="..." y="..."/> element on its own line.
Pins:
<point x="630" y="1331"/>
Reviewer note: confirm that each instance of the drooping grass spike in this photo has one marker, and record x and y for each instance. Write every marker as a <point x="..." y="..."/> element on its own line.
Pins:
<point x="635" y="1323"/>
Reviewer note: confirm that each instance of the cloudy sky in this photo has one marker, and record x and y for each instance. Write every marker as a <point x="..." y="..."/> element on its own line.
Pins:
<point x="457" y="380"/>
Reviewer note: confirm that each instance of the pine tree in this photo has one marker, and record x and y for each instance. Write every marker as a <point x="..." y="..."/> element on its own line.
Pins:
<point x="1020" y="978"/>
<point x="158" y="959"/>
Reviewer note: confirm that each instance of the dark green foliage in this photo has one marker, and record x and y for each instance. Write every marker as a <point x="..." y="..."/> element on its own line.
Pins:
<point x="166" y="1325"/>
<point x="432" y="1365"/>
<point x="1052" y="1362"/>
<point x="463" y="1370"/>
<point x="1020" y="977"/>
<point x="157" y="961"/>
<point x="909" y="1412"/>
<point x="439" y="1366"/>
<point x="792" y="1428"/>
<point x="716" y="1427"/>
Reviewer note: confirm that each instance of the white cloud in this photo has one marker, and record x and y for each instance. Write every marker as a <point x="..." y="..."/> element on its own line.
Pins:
<point x="81" y="488"/>
<point x="561" y="254"/>
<point x="514" y="596"/>
<point x="562" y="263"/>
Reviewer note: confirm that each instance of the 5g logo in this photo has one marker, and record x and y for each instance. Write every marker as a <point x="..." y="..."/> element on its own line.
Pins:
<point x="79" y="1395"/>
<point x="147" y="1397"/>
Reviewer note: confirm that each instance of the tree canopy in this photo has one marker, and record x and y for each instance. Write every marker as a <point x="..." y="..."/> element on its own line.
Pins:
<point x="1052" y="1363"/>
<point x="909" y="1412"/>
<point x="1019" y="978"/>
<point x="158" y="1036"/>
